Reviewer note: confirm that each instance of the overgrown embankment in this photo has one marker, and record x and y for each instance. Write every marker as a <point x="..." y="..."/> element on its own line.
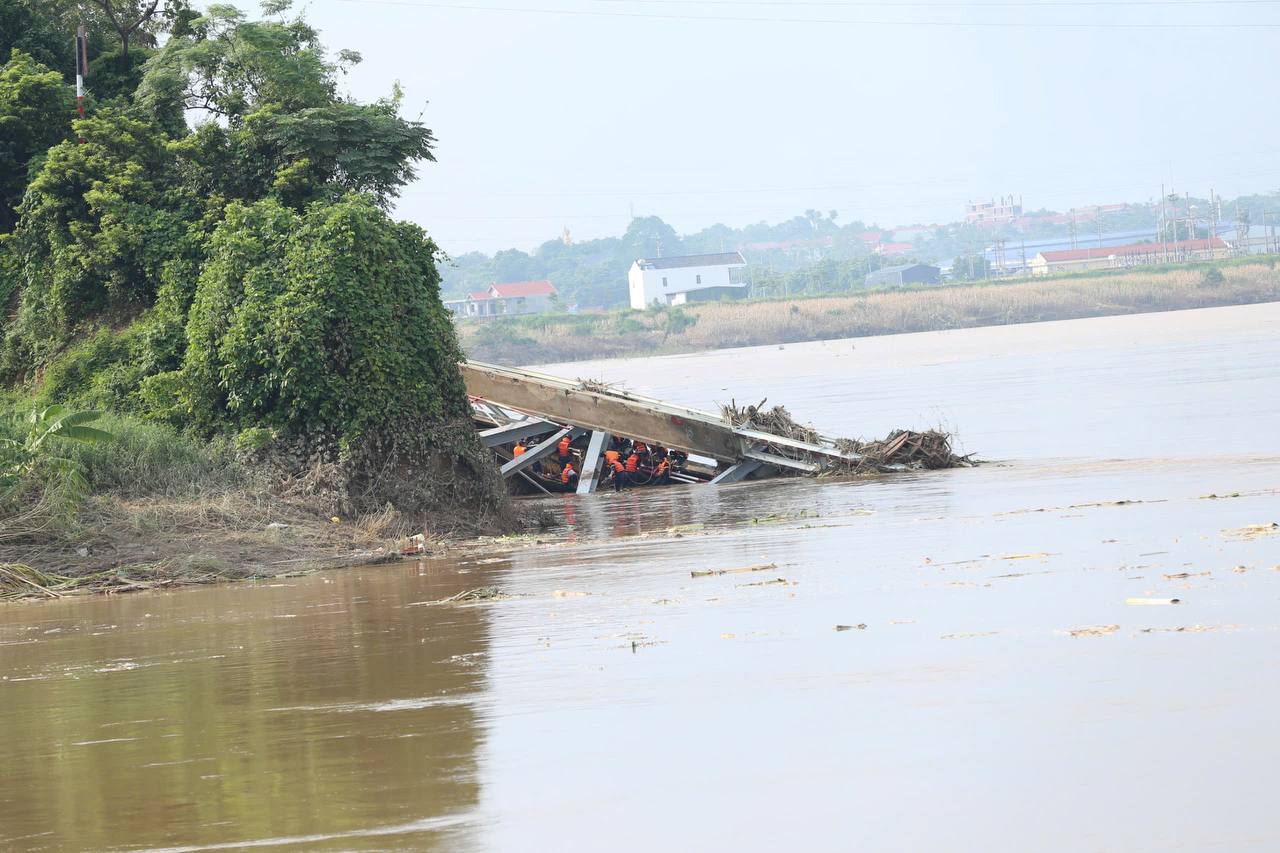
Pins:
<point x="267" y="342"/>
<point x="158" y="507"/>
<point x="719" y="325"/>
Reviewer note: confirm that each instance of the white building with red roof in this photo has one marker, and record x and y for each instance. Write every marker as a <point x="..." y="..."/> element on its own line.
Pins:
<point x="508" y="299"/>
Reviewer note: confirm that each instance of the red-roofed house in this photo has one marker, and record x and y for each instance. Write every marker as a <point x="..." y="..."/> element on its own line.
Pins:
<point x="509" y="299"/>
<point x="1132" y="255"/>
<point x="889" y="249"/>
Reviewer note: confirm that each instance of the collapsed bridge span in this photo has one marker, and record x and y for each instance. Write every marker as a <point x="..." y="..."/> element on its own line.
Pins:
<point x="517" y="404"/>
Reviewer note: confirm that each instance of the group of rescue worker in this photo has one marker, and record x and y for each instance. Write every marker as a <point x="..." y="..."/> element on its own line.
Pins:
<point x="627" y="463"/>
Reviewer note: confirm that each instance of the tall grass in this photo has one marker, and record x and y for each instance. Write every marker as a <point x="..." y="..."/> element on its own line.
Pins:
<point x="753" y="323"/>
<point x="142" y="458"/>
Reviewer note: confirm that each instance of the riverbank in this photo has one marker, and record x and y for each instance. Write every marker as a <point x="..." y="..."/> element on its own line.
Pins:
<point x="159" y="508"/>
<point x="720" y="325"/>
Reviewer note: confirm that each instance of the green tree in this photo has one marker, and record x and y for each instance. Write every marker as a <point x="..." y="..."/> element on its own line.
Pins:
<point x="970" y="267"/>
<point x="284" y="130"/>
<point x="36" y="29"/>
<point x="649" y="237"/>
<point x="100" y="223"/>
<point x="35" y="113"/>
<point x="141" y="20"/>
<point x="323" y="322"/>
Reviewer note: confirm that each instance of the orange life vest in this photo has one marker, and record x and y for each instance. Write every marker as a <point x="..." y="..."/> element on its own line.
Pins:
<point x="633" y="462"/>
<point x="611" y="456"/>
<point x="519" y="450"/>
<point x="566" y="473"/>
<point x="663" y="465"/>
<point x="617" y="466"/>
<point x="564" y="446"/>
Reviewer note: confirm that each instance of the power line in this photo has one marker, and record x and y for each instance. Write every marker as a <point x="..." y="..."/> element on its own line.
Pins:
<point x="936" y="4"/>
<point x="664" y="16"/>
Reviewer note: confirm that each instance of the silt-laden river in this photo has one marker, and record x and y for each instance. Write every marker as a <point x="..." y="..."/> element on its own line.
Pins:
<point x="905" y="678"/>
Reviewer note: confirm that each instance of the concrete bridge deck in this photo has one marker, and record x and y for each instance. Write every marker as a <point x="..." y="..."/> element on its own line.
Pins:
<point x="557" y="406"/>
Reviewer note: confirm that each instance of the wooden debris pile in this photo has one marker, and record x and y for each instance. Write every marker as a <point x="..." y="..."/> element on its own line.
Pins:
<point x="930" y="450"/>
<point x="775" y="421"/>
<point x="901" y="449"/>
<point x="595" y="386"/>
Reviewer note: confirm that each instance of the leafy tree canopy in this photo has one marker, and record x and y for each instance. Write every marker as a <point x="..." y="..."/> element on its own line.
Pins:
<point x="35" y="113"/>
<point x="327" y="321"/>
<point x="281" y="124"/>
<point x="30" y="26"/>
<point x="98" y="226"/>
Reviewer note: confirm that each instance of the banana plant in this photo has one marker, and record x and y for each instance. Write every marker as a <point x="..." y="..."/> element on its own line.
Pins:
<point x="34" y="454"/>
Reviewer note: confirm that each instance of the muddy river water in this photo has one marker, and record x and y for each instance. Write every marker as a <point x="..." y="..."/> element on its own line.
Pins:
<point x="905" y="678"/>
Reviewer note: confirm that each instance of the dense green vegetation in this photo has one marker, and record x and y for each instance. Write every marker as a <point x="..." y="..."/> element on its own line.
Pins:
<point x="208" y="250"/>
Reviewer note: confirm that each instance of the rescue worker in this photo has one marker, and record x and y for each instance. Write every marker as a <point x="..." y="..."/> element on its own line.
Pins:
<point x="662" y="474"/>
<point x="568" y="476"/>
<point x="611" y="456"/>
<point x="633" y="464"/>
<point x="518" y="450"/>
<point x="619" y="474"/>
<point x="563" y="446"/>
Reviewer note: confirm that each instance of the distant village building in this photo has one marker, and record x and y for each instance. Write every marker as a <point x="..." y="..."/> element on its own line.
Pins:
<point x="689" y="278"/>
<point x="891" y="249"/>
<point x="1004" y="211"/>
<point x="511" y="299"/>
<point x="904" y="274"/>
<point x="1132" y="255"/>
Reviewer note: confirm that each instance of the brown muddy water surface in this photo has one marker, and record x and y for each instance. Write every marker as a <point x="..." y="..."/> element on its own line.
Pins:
<point x="906" y="678"/>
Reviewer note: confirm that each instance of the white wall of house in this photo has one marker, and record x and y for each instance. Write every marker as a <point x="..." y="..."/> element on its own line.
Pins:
<point x="662" y="285"/>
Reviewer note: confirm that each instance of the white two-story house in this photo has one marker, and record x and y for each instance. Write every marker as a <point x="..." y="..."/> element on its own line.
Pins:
<point x="690" y="278"/>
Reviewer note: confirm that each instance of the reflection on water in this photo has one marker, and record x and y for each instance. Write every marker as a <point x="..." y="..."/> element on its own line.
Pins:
<point x="615" y="700"/>
<point x="303" y="707"/>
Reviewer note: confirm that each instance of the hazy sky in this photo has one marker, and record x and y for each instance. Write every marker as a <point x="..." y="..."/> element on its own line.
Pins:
<point x="555" y="113"/>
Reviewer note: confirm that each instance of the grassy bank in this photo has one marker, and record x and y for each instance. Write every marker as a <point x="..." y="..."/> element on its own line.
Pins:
<point x="161" y="508"/>
<point x="758" y="322"/>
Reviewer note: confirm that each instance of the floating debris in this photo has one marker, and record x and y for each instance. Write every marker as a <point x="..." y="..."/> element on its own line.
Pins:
<point x="480" y="593"/>
<point x="1093" y="631"/>
<point x="930" y="450"/>
<point x="900" y="449"/>
<point x="761" y="567"/>
<point x="1253" y="531"/>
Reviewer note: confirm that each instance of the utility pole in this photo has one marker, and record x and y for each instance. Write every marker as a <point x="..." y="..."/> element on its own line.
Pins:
<point x="1191" y="231"/>
<point x="82" y="68"/>
<point x="1073" y="228"/>
<point x="1164" y="223"/>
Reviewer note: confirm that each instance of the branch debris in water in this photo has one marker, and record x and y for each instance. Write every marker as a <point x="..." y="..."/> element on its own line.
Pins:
<point x="900" y="449"/>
